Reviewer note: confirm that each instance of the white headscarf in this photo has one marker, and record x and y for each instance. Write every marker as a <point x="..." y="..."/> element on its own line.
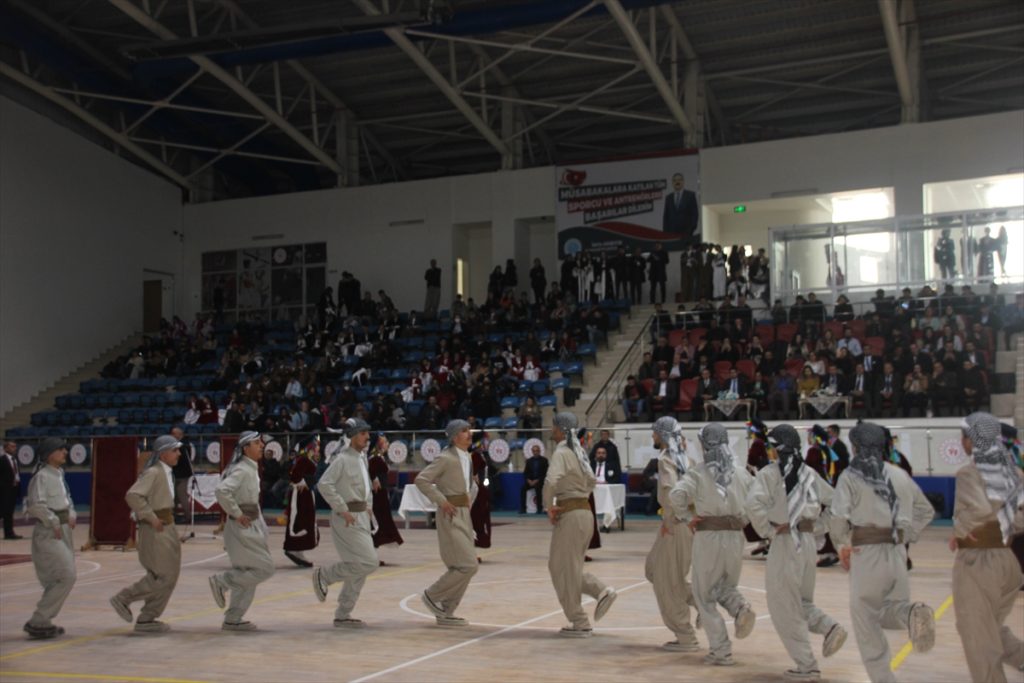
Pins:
<point x="718" y="456"/>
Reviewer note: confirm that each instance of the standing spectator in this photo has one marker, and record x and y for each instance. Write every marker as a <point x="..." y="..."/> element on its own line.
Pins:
<point x="718" y="274"/>
<point x="637" y="266"/>
<point x="433" y="279"/>
<point x="183" y="472"/>
<point x="10" y="488"/>
<point x="658" y="261"/>
<point x="538" y="281"/>
<point x="620" y="266"/>
<point x="534" y="471"/>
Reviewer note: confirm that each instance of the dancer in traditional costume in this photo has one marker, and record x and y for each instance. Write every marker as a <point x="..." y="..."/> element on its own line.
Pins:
<point x="301" y="533"/>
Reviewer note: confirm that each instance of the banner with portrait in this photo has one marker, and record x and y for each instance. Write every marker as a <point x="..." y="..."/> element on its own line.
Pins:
<point x="634" y="203"/>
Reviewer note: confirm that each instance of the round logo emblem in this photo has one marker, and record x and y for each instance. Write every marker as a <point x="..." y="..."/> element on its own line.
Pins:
<point x="498" y="450"/>
<point x="213" y="452"/>
<point x="398" y="452"/>
<point x="572" y="246"/>
<point x="26" y="455"/>
<point x="430" y="450"/>
<point x="952" y="453"/>
<point x="528" y="447"/>
<point x="274" y="450"/>
<point x="78" y="454"/>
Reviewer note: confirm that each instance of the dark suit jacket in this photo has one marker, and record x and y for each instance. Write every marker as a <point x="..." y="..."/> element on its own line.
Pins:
<point x="671" y="391"/>
<point x="6" y="474"/>
<point x="612" y="468"/>
<point x="741" y="383"/>
<point x="681" y="218"/>
<point x="536" y="468"/>
<point x="842" y="384"/>
<point x="712" y="389"/>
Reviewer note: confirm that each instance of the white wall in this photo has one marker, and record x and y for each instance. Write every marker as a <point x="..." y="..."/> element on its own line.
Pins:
<point x="355" y="224"/>
<point x="77" y="227"/>
<point x="902" y="157"/>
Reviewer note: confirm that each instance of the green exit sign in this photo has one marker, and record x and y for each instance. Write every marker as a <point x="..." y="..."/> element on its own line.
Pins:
<point x="739" y="208"/>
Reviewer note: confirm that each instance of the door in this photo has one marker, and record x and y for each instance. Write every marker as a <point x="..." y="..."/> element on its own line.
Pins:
<point x="152" y="305"/>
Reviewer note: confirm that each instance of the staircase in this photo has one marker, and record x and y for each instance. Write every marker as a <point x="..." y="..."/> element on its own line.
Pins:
<point x="20" y="415"/>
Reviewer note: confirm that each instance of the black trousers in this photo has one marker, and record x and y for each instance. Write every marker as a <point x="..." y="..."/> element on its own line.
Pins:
<point x="539" y="488"/>
<point x="8" y="503"/>
<point x="656" y="285"/>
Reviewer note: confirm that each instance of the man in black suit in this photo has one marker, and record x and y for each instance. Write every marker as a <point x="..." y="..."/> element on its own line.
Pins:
<point x="680" y="214"/>
<point x="534" y="471"/>
<point x="862" y="389"/>
<point x="10" y="488"/>
<point x="736" y="384"/>
<point x="658" y="261"/>
<point x="972" y="354"/>
<point x="637" y="275"/>
<point x="620" y="266"/>
<point x="889" y="388"/>
<point x="605" y="463"/>
<point x="707" y="390"/>
<point x="614" y="463"/>
<point x="871" y="361"/>
<point x="664" y="394"/>
<point x="972" y="386"/>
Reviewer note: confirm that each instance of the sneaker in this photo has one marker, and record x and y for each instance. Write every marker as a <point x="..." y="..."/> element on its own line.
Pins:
<point x="744" y="622"/>
<point x="349" y="623"/>
<point x="682" y="645"/>
<point x="572" y="632"/>
<point x="921" y="627"/>
<point x="828" y="561"/>
<point x="834" y="640"/>
<point x="719" y="660"/>
<point x="42" y="632"/>
<point x="436" y="609"/>
<point x="319" y="585"/>
<point x="238" y="626"/>
<point x="122" y="609"/>
<point x="604" y="603"/>
<point x="798" y="675"/>
<point x="217" y="588"/>
<point x="445" y="620"/>
<point x="152" y="627"/>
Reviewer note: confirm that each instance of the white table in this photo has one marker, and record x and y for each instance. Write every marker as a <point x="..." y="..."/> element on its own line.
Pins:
<point x="413" y="500"/>
<point x="609" y="499"/>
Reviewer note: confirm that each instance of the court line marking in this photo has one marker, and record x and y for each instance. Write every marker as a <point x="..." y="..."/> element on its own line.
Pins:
<point x="896" y="661"/>
<point x="104" y="579"/>
<point x="216" y="610"/>
<point x="96" y="566"/>
<point x="97" y="677"/>
<point x="472" y="641"/>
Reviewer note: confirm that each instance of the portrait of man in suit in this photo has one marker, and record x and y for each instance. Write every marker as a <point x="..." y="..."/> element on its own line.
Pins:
<point x="680" y="215"/>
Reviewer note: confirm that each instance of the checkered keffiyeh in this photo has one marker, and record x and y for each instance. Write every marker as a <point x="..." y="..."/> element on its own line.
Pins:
<point x="868" y="463"/>
<point x="798" y="478"/>
<point x="998" y="470"/>
<point x="671" y="434"/>
<point x="717" y="455"/>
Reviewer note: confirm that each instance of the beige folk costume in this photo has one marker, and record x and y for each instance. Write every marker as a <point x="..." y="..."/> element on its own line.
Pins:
<point x="715" y="493"/>
<point x="345" y="485"/>
<point x="49" y="503"/>
<point x="567" y="488"/>
<point x="877" y="508"/>
<point x="239" y="494"/>
<point x="668" y="562"/>
<point x="449" y="480"/>
<point x="784" y="504"/>
<point x="151" y="499"/>
<point x="986" y="575"/>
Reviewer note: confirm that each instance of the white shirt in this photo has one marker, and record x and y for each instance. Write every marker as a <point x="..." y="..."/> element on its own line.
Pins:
<point x="599" y="471"/>
<point x="466" y="463"/>
<point x="169" y="474"/>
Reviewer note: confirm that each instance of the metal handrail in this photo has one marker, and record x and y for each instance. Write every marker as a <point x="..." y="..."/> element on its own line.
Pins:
<point x="931" y="449"/>
<point x="617" y="378"/>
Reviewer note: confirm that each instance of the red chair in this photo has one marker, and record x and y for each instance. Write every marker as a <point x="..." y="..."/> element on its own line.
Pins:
<point x="835" y="327"/>
<point x="696" y="333"/>
<point x="785" y="332"/>
<point x="794" y="366"/>
<point x="746" y="368"/>
<point x="648" y="385"/>
<point x="722" y="368"/>
<point x="859" y="327"/>
<point x="766" y="333"/>
<point x="675" y="337"/>
<point x="877" y="345"/>
<point x="687" y="392"/>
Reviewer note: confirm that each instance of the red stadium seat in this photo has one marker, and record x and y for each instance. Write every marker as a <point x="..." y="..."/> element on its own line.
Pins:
<point x="746" y="368"/>
<point x="785" y="332"/>
<point x="687" y="392"/>
<point x="794" y="366"/>
<point x="722" y="368"/>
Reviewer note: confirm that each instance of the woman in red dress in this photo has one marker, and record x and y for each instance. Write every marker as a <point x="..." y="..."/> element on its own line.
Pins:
<point x="387" y="532"/>
<point x="302" y="533"/>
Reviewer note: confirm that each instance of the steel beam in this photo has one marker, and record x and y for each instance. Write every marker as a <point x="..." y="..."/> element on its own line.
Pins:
<point x="232" y="83"/>
<point x="585" y="108"/>
<point x="684" y="43"/>
<point x="899" y="52"/>
<point x="116" y="137"/>
<point x="218" y="150"/>
<point x="323" y="90"/>
<point x="515" y="47"/>
<point x="647" y="60"/>
<point x="152" y="103"/>
<point x="438" y="79"/>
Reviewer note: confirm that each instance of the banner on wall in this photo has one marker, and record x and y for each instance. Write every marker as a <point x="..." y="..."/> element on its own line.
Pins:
<point x="634" y="203"/>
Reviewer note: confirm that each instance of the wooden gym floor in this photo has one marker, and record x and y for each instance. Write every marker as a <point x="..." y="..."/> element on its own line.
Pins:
<point x="511" y="606"/>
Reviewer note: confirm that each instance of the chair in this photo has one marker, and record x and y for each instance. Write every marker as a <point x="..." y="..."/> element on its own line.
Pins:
<point x="560" y="383"/>
<point x="676" y="337"/>
<point x="587" y="351"/>
<point x="687" y="392"/>
<point x="548" y="400"/>
<point x="510" y="422"/>
<point x="511" y="402"/>
<point x="766" y="333"/>
<point x="722" y="368"/>
<point x="877" y="345"/>
<point x="794" y="366"/>
<point x="493" y="423"/>
<point x="746" y="368"/>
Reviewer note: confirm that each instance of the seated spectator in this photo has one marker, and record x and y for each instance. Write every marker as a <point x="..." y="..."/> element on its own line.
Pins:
<point x="890" y="388"/>
<point x="534" y="471"/>
<point x="707" y="390"/>
<point x="816" y="364"/>
<point x="664" y="394"/>
<point x="944" y="387"/>
<point x="735" y="384"/>
<point x="648" y="368"/>
<point x="915" y="391"/>
<point x="530" y="416"/>
<point x="972" y="384"/>
<point x="780" y="395"/>
<point x="843" y="310"/>
<point x="808" y="383"/>
<point x="850" y="343"/>
<point x="861" y="389"/>
<point x="634" y="400"/>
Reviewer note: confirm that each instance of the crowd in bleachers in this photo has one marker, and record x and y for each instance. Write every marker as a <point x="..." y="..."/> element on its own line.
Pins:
<point x="500" y="362"/>
<point x="920" y="354"/>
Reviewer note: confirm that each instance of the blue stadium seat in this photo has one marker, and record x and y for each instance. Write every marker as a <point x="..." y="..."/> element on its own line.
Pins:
<point x="587" y="351"/>
<point x="493" y="423"/>
<point x="548" y="400"/>
<point x="510" y="422"/>
<point x="560" y="383"/>
<point x="511" y="401"/>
